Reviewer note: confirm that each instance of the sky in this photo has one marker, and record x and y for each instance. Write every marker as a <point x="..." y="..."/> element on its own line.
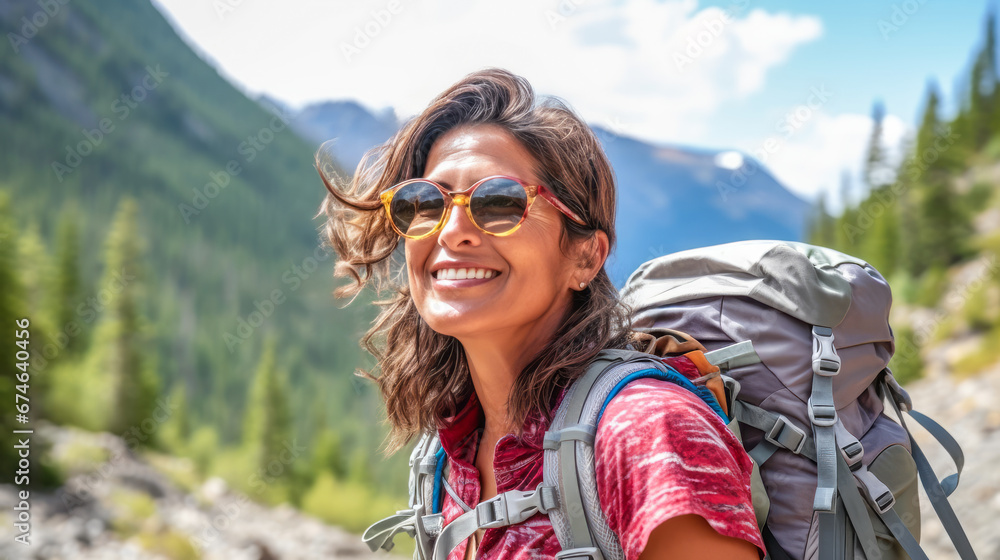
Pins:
<point x="711" y="75"/>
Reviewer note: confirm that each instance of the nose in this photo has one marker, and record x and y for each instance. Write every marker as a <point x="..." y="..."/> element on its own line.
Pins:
<point x="458" y="229"/>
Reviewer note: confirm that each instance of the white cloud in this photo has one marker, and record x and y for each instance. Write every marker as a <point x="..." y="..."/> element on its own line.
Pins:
<point x="813" y="159"/>
<point x="656" y="70"/>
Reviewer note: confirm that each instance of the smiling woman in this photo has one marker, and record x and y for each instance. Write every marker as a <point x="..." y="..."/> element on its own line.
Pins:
<point x="505" y="207"/>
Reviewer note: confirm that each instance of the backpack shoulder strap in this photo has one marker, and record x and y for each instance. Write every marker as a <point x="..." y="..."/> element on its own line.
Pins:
<point x="421" y="521"/>
<point x="579" y="522"/>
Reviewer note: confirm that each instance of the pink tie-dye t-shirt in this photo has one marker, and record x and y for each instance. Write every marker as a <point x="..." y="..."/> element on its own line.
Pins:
<point x="660" y="453"/>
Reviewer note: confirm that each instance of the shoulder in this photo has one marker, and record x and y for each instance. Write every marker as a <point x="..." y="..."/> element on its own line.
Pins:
<point x="660" y="453"/>
<point x="655" y="414"/>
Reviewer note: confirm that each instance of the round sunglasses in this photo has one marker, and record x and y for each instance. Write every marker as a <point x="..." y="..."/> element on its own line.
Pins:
<point x="497" y="205"/>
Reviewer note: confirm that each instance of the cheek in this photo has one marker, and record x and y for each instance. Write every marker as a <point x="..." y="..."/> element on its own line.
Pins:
<point x="416" y="261"/>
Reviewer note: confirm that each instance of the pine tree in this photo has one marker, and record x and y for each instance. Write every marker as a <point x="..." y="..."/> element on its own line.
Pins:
<point x="822" y="226"/>
<point x="119" y="351"/>
<point x="33" y="262"/>
<point x="178" y="429"/>
<point x="983" y="88"/>
<point x="847" y="232"/>
<point x="943" y="224"/>
<point x="875" y="165"/>
<point x="11" y="311"/>
<point x="267" y="420"/>
<point x="66" y="285"/>
<point x="328" y="455"/>
<point x="883" y="243"/>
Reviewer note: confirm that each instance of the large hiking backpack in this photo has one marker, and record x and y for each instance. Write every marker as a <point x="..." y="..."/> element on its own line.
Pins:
<point x="802" y="337"/>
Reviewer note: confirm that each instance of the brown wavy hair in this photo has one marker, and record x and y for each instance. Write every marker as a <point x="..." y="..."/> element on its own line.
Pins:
<point x="423" y="376"/>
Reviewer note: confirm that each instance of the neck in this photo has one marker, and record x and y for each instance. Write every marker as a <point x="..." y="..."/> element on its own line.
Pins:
<point x="495" y="361"/>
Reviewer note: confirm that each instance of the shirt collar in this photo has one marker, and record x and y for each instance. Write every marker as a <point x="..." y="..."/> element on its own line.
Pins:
<point x="460" y="433"/>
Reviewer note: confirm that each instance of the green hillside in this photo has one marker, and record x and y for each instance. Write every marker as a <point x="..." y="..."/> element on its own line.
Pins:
<point x="928" y="223"/>
<point x="101" y="103"/>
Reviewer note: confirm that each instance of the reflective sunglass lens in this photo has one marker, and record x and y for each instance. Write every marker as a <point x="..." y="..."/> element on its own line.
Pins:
<point x="498" y="205"/>
<point x="416" y="208"/>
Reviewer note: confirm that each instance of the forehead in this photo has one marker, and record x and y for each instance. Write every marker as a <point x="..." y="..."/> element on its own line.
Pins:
<point x="467" y="154"/>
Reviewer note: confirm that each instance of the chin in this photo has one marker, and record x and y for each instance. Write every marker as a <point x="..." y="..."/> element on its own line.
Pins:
<point x="457" y="321"/>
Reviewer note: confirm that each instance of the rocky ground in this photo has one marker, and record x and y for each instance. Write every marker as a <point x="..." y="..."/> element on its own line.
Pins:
<point x="88" y="518"/>
<point x="969" y="410"/>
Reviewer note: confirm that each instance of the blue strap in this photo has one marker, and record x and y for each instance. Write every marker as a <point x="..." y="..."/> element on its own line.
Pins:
<point x="672" y="376"/>
<point x="436" y="498"/>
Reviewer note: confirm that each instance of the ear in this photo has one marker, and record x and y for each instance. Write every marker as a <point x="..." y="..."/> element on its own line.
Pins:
<point x="592" y="254"/>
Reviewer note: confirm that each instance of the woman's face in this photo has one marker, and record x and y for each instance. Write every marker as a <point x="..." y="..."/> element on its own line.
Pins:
<point x="531" y="281"/>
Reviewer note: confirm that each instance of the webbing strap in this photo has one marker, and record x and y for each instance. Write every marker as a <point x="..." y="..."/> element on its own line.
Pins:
<point x="903" y="535"/>
<point x="380" y="534"/>
<point x="828" y="541"/>
<point x="774" y="550"/>
<point x="950" y="483"/>
<point x="939" y="499"/>
<point x="510" y="508"/>
<point x="856" y="510"/>
<point x="577" y="432"/>
<point x="936" y="492"/>
<point x="733" y="356"/>
<point x="879" y="496"/>
<point x="850" y="447"/>
<point x="823" y="415"/>
<point x="762" y="452"/>
<point x="778" y="430"/>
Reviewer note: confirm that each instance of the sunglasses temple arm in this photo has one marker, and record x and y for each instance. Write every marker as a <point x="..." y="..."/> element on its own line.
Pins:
<point x="549" y="196"/>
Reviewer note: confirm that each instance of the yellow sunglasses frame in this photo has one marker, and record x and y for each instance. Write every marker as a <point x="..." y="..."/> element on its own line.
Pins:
<point x="461" y="198"/>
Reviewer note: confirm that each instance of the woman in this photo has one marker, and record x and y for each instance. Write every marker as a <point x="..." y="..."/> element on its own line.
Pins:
<point x="506" y="210"/>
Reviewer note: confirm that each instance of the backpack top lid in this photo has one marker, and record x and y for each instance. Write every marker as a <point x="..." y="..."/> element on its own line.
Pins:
<point x="795" y="278"/>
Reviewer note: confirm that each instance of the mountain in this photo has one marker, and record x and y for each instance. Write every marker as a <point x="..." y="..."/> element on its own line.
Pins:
<point x="676" y="198"/>
<point x="355" y="129"/>
<point x="670" y="198"/>
<point x="101" y="100"/>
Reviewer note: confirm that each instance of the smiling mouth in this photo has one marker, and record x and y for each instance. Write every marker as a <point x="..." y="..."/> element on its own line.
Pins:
<point x="464" y="273"/>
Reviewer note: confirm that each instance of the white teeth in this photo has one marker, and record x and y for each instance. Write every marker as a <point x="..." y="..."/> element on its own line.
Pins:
<point x="463" y="273"/>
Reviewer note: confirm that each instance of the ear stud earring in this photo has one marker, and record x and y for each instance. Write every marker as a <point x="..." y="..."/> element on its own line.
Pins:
<point x="583" y="285"/>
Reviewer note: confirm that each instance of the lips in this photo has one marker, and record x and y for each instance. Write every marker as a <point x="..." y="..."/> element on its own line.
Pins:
<point x="464" y="273"/>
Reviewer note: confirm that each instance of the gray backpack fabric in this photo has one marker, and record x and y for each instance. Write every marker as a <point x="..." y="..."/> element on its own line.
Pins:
<point x="802" y="336"/>
<point x="840" y="476"/>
